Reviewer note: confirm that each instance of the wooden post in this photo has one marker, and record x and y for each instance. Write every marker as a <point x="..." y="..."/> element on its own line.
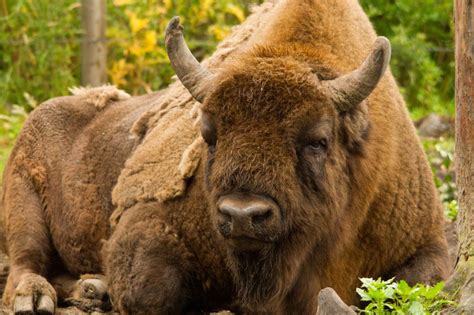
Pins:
<point x="464" y="17"/>
<point x="3" y="8"/>
<point x="94" y="53"/>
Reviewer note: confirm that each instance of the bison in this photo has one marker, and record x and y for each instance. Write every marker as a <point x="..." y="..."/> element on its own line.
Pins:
<point x="307" y="173"/>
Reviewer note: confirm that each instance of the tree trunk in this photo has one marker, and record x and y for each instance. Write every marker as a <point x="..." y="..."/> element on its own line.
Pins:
<point x="3" y="8"/>
<point x="464" y="276"/>
<point x="94" y="53"/>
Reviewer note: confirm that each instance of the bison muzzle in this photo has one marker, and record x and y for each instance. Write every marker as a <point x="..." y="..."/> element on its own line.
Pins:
<point x="246" y="218"/>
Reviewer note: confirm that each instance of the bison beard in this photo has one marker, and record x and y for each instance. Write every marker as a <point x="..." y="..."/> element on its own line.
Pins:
<point x="254" y="275"/>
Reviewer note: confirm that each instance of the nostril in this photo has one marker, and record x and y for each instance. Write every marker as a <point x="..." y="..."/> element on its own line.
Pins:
<point x="260" y="218"/>
<point x="105" y="297"/>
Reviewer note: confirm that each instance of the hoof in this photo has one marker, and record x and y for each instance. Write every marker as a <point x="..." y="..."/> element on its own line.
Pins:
<point x="94" y="289"/>
<point x="91" y="295"/>
<point x="34" y="295"/>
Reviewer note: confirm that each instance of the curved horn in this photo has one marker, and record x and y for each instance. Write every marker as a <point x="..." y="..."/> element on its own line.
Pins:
<point x="187" y="68"/>
<point x="354" y="87"/>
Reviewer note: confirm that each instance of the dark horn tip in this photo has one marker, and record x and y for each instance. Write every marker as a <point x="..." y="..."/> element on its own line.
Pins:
<point x="173" y="25"/>
<point x="382" y="44"/>
<point x="383" y="50"/>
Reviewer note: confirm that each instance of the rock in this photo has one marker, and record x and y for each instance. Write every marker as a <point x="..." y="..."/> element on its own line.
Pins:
<point x="330" y="303"/>
<point x="433" y="126"/>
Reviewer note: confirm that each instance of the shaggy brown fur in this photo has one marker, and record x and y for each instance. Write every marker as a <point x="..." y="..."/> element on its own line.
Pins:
<point x="365" y="206"/>
<point x="63" y="149"/>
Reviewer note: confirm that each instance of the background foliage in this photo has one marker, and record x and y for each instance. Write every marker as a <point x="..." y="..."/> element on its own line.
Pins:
<point x="40" y="47"/>
<point x="422" y="36"/>
<point x="137" y="63"/>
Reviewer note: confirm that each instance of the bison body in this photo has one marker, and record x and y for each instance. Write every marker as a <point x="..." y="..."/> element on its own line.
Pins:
<point x="311" y="176"/>
<point x="56" y="198"/>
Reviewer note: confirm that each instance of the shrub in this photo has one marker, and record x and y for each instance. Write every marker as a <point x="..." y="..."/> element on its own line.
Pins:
<point x="40" y="43"/>
<point x="440" y="153"/>
<point x="389" y="297"/>
<point x="422" y="36"/>
<point x="39" y="49"/>
<point x="138" y="60"/>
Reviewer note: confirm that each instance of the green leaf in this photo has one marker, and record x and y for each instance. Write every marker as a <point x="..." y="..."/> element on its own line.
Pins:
<point x="366" y="282"/>
<point x="363" y="295"/>
<point x="403" y="288"/>
<point x="377" y="295"/>
<point x="431" y="293"/>
<point x="416" y="308"/>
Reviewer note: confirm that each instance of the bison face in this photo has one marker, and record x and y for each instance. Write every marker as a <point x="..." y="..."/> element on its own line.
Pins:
<point x="275" y="162"/>
<point x="283" y="131"/>
<point x="277" y="170"/>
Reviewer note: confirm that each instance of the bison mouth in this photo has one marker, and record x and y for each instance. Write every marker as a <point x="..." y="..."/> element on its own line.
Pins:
<point x="245" y="243"/>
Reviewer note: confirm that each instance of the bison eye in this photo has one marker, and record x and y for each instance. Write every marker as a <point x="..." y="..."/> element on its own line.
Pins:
<point x="208" y="130"/>
<point x="319" y="146"/>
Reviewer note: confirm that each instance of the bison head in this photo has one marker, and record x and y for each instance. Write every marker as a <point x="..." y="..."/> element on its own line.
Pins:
<point x="283" y="130"/>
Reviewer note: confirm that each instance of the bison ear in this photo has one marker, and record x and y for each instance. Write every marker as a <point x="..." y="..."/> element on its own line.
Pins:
<point x="194" y="77"/>
<point x="351" y="89"/>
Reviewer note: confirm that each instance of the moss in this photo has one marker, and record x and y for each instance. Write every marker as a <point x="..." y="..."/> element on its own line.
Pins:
<point x="461" y="286"/>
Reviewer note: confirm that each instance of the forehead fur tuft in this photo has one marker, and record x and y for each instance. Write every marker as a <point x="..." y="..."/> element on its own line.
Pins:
<point x="268" y="81"/>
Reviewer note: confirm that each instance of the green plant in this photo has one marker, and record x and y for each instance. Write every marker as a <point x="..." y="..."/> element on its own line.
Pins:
<point x="440" y="153"/>
<point x="422" y="36"/>
<point x="10" y="125"/>
<point x="452" y="210"/>
<point x="40" y="42"/>
<point x="390" y="297"/>
<point x="39" y="49"/>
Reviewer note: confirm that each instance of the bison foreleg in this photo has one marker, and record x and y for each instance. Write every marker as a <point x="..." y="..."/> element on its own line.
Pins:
<point x="29" y="248"/>
<point x="146" y="265"/>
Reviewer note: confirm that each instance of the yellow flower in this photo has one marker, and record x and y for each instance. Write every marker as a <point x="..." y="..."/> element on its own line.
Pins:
<point x="168" y="4"/>
<point x="149" y="41"/>
<point x="219" y="32"/>
<point x="235" y="11"/>
<point x="136" y="49"/>
<point x="118" y="72"/>
<point x="136" y="24"/>
<point x="204" y="9"/>
<point x="123" y="2"/>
